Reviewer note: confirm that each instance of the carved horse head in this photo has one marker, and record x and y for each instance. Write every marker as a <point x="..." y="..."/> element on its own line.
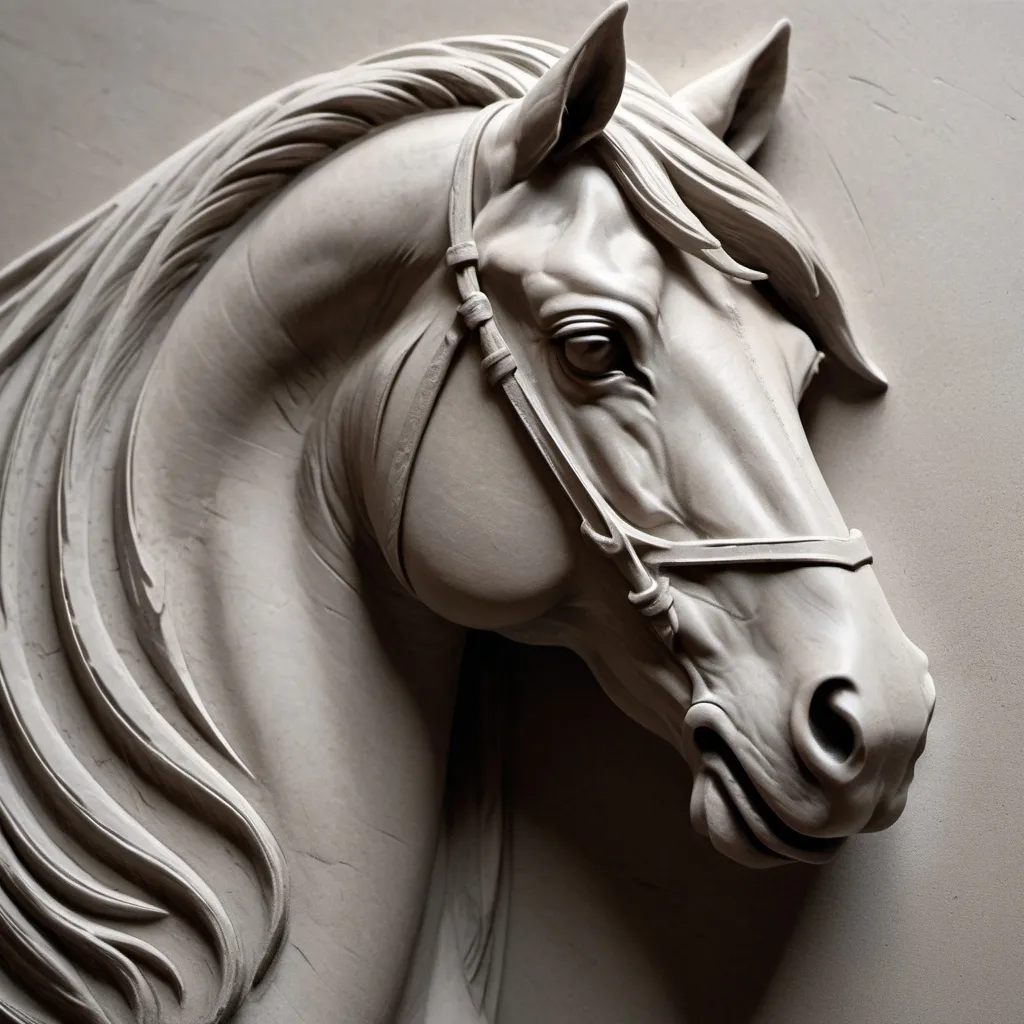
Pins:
<point x="673" y="379"/>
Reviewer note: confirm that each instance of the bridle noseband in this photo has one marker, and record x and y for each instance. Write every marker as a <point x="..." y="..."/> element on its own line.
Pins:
<point x="649" y="590"/>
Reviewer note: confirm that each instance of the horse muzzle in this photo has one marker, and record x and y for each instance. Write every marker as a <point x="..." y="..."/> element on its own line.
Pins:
<point x="847" y="770"/>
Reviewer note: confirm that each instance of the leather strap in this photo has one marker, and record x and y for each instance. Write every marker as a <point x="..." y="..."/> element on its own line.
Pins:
<point x="787" y="552"/>
<point x="404" y="453"/>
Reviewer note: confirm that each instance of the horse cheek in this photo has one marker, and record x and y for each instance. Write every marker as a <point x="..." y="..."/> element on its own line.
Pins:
<point x="486" y="542"/>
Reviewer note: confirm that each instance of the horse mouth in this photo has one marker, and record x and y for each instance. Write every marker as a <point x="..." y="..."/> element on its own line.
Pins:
<point x="728" y="807"/>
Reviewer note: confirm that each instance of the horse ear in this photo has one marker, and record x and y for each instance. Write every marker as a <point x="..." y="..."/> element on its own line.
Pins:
<point x="738" y="101"/>
<point x="573" y="100"/>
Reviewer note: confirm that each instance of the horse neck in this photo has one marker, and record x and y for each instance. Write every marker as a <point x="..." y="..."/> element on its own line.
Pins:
<point x="265" y="355"/>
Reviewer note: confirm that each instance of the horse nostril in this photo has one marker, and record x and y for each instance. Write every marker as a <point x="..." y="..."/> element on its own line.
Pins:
<point x="832" y="722"/>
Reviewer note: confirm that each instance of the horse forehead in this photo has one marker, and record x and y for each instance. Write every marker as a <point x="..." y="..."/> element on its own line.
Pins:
<point x="575" y="226"/>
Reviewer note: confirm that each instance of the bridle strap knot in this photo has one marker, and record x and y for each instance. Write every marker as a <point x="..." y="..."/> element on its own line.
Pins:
<point x="476" y="310"/>
<point x="654" y="599"/>
<point x="498" y="365"/>
<point x="461" y="253"/>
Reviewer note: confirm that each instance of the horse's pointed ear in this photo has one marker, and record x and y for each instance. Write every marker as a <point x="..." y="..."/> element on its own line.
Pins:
<point x="573" y="100"/>
<point x="738" y="101"/>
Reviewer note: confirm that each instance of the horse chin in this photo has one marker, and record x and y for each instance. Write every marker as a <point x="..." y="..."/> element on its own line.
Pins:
<point x="725" y="807"/>
<point x="714" y="815"/>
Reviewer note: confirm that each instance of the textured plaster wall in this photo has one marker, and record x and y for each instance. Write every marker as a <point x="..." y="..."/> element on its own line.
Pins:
<point x="901" y="142"/>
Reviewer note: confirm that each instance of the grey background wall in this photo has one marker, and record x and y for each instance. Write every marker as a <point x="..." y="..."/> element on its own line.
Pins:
<point x="901" y="143"/>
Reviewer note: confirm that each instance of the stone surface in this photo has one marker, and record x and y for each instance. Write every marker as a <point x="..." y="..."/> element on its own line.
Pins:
<point x="900" y="142"/>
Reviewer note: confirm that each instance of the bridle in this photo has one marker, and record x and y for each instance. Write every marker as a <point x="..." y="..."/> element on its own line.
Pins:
<point x="622" y="544"/>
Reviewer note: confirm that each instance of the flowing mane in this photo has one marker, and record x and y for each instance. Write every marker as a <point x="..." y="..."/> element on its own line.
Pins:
<point x="81" y="320"/>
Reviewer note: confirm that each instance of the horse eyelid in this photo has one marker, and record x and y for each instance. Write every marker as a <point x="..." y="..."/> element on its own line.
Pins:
<point x="572" y="325"/>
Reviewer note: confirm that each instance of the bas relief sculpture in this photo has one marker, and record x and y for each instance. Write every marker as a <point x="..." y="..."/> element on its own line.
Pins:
<point x="480" y="334"/>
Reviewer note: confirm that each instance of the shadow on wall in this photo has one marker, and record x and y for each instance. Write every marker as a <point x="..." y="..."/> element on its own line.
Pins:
<point x="615" y="800"/>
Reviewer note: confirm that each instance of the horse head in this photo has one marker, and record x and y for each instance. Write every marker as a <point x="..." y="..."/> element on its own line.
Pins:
<point x="672" y="376"/>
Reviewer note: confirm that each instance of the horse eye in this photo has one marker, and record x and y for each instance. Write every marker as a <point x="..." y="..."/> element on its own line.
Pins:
<point x="593" y="351"/>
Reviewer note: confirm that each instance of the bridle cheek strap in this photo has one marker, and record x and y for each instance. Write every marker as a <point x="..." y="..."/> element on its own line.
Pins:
<point x="649" y="590"/>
